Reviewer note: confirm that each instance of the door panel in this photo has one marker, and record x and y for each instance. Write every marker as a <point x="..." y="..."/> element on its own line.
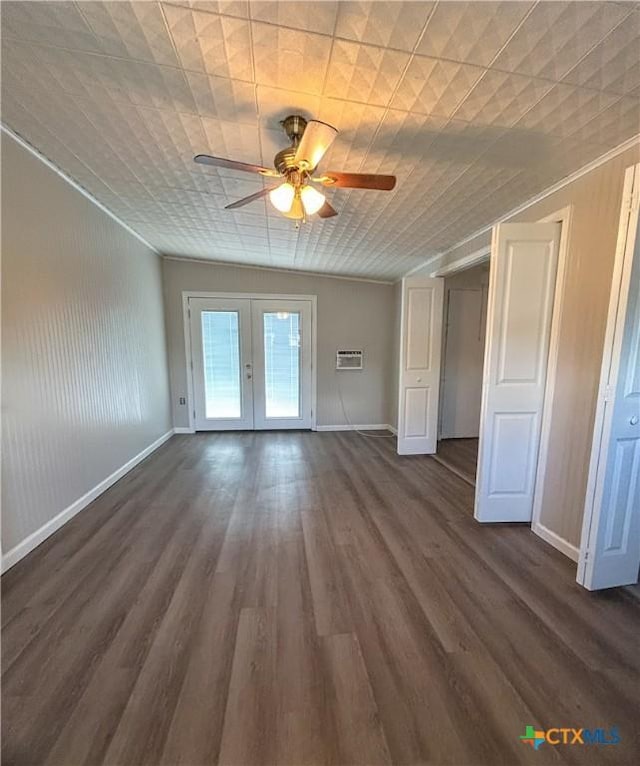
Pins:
<point x="221" y="356"/>
<point x="512" y="468"/>
<point x="282" y="369"/>
<point x="610" y="546"/>
<point x="521" y="292"/>
<point x="421" y="335"/>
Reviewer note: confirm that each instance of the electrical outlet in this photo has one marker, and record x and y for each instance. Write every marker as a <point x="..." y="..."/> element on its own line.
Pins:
<point x="183" y="400"/>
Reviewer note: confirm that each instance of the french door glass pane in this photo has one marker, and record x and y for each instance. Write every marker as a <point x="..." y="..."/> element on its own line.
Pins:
<point x="282" y="364"/>
<point x="221" y="355"/>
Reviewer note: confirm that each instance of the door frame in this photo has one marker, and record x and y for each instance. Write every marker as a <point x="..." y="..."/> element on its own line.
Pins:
<point x="186" y="294"/>
<point x="563" y="216"/>
<point x="445" y="337"/>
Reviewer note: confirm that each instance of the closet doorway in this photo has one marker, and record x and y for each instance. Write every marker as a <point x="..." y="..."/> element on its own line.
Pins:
<point x="464" y="330"/>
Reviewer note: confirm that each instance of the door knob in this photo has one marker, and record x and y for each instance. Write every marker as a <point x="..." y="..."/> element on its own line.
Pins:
<point x="634" y="420"/>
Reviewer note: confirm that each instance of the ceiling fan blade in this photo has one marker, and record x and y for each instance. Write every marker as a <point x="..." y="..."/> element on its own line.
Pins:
<point x="316" y="139"/>
<point x="251" y="198"/>
<point x="357" y="180"/>
<point x="222" y="162"/>
<point x="327" y="211"/>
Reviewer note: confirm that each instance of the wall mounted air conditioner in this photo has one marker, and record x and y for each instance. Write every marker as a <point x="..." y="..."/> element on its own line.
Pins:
<point x="348" y="359"/>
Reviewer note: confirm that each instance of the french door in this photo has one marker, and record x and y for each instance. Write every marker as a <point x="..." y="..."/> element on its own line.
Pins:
<point x="251" y="360"/>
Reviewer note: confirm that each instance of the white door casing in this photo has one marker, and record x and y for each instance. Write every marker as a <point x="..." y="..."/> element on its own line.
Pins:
<point x="521" y="293"/>
<point x="421" y="340"/>
<point x="259" y="309"/>
<point x="242" y="307"/>
<point x="610" y="544"/>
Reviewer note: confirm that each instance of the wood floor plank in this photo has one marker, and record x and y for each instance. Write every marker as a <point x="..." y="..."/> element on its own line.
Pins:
<point x="329" y="606"/>
<point x="306" y="733"/>
<point x="305" y="598"/>
<point x="195" y="731"/>
<point x="249" y="734"/>
<point x="360" y="737"/>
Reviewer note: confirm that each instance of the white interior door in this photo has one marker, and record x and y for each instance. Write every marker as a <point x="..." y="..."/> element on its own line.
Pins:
<point x="610" y="545"/>
<point x="463" y="360"/>
<point x="524" y="260"/>
<point x="222" y="363"/>
<point x="282" y="363"/>
<point x="421" y="340"/>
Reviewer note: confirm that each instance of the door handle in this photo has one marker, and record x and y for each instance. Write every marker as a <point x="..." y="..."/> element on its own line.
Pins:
<point x="634" y="420"/>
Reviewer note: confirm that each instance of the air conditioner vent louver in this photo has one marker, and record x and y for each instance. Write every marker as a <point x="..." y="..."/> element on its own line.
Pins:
<point x="348" y="359"/>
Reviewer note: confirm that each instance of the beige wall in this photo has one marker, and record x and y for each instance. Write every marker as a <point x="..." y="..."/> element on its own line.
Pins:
<point x="84" y="378"/>
<point x="351" y="313"/>
<point x="596" y="199"/>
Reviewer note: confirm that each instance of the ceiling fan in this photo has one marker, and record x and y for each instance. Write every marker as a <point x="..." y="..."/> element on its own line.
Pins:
<point x="295" y="196"/>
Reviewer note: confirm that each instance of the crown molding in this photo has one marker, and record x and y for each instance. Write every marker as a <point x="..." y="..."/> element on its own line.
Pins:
<point x="33" y="151"/>
<point x="584" y="170"/>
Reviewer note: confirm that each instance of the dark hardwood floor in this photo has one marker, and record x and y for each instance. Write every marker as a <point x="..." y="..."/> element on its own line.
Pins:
<point x="299" y="598"/>
<point x="460" y="456"/>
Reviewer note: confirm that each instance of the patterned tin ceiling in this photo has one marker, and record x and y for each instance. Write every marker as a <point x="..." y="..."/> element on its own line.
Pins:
<point x="475" y="107"/>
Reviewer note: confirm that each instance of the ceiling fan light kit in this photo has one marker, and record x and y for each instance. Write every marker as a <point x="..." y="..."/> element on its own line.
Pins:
<point x="312" y="199"/>
<point x="282" y="197"/>
<point x="296" y="198"/>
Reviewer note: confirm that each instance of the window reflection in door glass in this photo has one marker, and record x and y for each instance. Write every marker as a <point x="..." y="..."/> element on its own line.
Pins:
<point x="282" y="364"/>
<point x="221" y="357"/>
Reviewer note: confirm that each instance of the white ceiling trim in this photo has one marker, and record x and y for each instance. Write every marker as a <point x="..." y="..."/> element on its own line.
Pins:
<point x="25" y="145"/>
<point x="593" y="165"/>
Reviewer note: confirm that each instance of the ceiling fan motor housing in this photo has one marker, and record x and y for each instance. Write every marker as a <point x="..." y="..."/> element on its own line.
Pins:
<point x="284" y="161"/>
<point x="294" y="126"/>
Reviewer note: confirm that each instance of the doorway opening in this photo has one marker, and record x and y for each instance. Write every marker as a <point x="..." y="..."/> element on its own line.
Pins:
<point x="463" y="345"/>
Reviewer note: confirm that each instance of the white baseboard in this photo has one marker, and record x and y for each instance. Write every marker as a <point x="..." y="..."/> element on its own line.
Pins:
<point x="46" y="530"/>
<point x="368" y="427"/>
<point x="554" y="539"/>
